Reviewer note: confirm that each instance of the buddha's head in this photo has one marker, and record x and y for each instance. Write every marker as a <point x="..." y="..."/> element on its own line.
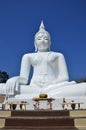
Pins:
<point x="42" y="39"/>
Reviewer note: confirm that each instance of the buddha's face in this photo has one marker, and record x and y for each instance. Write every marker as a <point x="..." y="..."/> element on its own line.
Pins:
<point x="42" y="42"/>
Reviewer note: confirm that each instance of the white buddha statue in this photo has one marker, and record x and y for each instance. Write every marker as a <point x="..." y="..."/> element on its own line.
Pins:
<point x="50" y="73"/>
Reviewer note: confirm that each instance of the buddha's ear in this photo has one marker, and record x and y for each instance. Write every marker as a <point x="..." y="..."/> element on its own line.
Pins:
<point x="35" y="46"/>
<point x="49" y="48"/>
<point x="49" y="44"/>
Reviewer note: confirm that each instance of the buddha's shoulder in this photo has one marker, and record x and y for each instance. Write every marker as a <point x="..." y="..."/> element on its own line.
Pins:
<point x="31" y="55"/>
<point x="56" y="53"/>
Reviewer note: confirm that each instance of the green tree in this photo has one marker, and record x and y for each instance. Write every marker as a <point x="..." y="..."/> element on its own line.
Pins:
<point x="3" y="77"/>
<point x="83" y="79"/>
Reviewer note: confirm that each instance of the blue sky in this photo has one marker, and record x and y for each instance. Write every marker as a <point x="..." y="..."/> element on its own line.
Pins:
<point x="64" y="19"/>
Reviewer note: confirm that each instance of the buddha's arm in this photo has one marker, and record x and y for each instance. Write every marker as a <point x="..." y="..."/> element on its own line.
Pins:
<point x="25" y="69"/>
<point x="62" y="67"/>
<point x="13" y="83"/>
<point x="62" y="73"/>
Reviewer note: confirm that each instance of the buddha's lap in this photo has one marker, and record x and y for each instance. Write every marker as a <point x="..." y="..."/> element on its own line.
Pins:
<point x="77" y="89"/>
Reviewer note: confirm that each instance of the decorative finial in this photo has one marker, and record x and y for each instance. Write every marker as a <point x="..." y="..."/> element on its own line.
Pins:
<point x="42" y="26"/>
<point x="42" y="30"/>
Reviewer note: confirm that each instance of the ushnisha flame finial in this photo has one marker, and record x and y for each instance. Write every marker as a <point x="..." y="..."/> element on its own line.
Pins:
<point x="42" y="29"/>
<point x="42" y="26"/>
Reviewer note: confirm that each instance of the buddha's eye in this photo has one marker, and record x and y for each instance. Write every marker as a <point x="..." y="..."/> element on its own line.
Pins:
<point x="39" y="38"/>
<point x="46" y="38"/>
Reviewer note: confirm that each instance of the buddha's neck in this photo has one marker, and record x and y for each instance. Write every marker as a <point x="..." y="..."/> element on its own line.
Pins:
<point x="43" y="51"/>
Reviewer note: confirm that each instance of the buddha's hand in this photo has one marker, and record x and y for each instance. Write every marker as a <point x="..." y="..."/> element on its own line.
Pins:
<point x="12" y="84"/>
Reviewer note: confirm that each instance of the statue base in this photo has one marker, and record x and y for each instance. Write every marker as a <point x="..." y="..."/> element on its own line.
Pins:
<point x="56" y="104"/>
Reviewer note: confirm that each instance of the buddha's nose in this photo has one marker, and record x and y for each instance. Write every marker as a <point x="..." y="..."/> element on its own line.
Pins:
<point x="42" y="40"/>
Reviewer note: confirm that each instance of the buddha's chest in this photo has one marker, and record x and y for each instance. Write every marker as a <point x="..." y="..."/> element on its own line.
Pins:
<point x="44" y="59"/>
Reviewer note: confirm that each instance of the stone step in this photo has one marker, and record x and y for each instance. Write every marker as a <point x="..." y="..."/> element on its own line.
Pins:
<point x="41" y="113"/>
<point x="78" y="113"/>
<point x="39" y="128"/>
<point x="43" y="120"/>
<point x="39" y="122"/>
<point x="75" y="113"/>
<point x="2" y="123"/>
<point x="5" y="113"/>
<point x="80" y="122"/>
